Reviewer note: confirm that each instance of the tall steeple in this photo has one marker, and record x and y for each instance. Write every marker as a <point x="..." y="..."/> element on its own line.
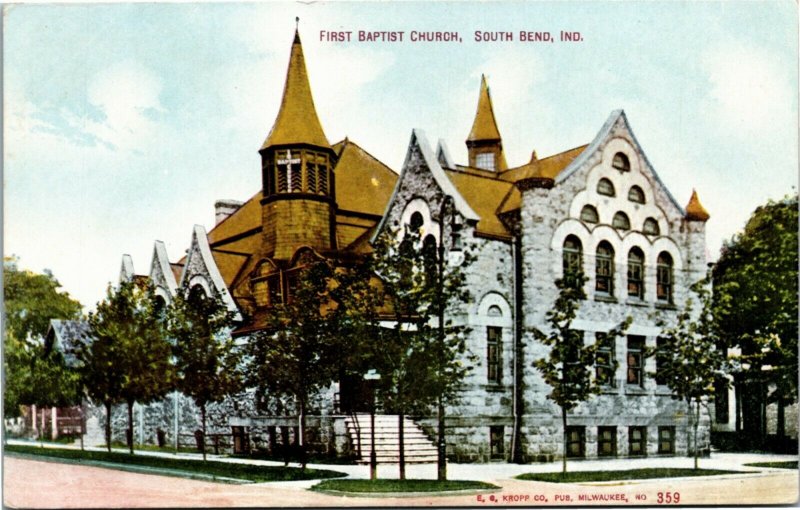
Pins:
<point x="484" y="144"/>
<point x="297" y="162"/>
<point x="297" y="120"/>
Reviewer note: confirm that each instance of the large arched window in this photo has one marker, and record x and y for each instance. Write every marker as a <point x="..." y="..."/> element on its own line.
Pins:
<point x="621" y="221"/>
<point x="664" y="277"/>
<point x="572" y="260"/>
<point x="604" y="269"/>
<point x="589" y="214"/>
<point x="494" y="316"/>
<point x="605" y="187"/>
<point x="416" y="221"/>
<point x="636" y="273"/>
<point x="621" y="162"/>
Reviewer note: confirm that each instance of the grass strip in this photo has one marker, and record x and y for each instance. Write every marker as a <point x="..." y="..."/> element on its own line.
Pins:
<point x="789" y="464"/>
<point x="627" y="474"/>
<point x="400" y="486"/>
<point x="174" y="467"/>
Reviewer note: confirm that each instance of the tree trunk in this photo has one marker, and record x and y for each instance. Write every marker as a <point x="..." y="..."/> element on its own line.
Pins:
<point x="695" y="427"/>
<point x="781" y="421"/>
<point x="108" y="425"/>
<point x="303" y="456"/>
<point x="129" y="435"/>
<point x="564" y="440"/>
<point x="441" y="460"/>
<point x="203" y="425"/>
<point x="401" y="431"/>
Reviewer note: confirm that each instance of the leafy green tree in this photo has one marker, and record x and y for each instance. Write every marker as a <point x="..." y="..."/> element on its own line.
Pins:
<point x="31" y="300"/>
<point x="425" y="357"/>
<point x="688" y="360"/>
<point x="206" y="360"/>
<point x="756" y="295"/>
<point x="569" y="365"/>
<point x="129" y="333"/>
<point x="297" y="354"/>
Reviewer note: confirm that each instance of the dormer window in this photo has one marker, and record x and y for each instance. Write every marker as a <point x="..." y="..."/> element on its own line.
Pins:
<point x="636" y="195"/>
<point x="485" y="161"/>
<point x="604" y="187"/>
<point x="621" y="162"/>
<point x="299" y="171"/>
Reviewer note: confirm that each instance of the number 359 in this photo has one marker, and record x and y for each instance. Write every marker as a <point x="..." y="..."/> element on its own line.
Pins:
<point x="669" y="498"/>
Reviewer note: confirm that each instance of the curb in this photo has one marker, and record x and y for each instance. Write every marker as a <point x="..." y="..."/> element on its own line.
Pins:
<point x="460" y="492"/>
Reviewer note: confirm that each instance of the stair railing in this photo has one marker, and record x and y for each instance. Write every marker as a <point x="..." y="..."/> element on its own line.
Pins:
<point x="357" y="426"/>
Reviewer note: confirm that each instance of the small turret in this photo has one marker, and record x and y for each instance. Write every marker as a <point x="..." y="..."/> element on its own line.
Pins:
<point x="484" y="144"/>
<point x="695" y="210"/>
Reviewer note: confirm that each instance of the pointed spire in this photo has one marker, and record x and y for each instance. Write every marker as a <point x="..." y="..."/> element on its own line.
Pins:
<point x="484" y="127"/>
<point x="297" y="120"/>
<point x="695" y="210"/>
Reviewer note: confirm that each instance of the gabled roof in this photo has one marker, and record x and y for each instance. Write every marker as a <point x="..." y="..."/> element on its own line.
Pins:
<point x="126" y="269"/>
<point x="363" y="183"/>
<point x="484" y="127"/>
<point x="484" y="194"/>
<point x="548" y="167"/>
<point x="67" y="336"/>
<point x="297" y="120"/>
<point x="160" y="264"/>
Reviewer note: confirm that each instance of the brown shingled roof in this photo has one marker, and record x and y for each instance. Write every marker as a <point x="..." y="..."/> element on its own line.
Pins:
<point x="363" y="183"/>
<point x="297" y="120"/>
<point x="484" y="127"/>
<point x="484" y="195"/>
<point x="548" y="167"/>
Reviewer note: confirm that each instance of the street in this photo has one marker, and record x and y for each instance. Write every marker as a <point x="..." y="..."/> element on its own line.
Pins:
<point x="38" y="484"/>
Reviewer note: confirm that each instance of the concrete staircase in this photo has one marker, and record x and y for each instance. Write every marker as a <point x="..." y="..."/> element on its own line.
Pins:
<point x="418" y="448"/>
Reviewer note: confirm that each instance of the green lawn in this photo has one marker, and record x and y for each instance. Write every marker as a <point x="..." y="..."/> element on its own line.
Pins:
<point x="180" y="467"/>
<point x="630" y="474"/>
<point x="789" y="464"/>
<point x="390" y="486"/>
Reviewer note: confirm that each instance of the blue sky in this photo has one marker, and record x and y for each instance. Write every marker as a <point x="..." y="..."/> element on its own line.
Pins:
<point x="124" y="123"/>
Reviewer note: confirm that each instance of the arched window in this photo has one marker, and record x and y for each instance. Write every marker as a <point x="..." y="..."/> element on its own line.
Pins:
<point x="416" y="221"/>
<point x="495" y="311"/>
<point x="604" y="187"/>
<point x="589" y="214"/>
<point x="664" y="277"/>
<point x="429" y="256"/>
<point x="621" y="162"/>
<point x="160" y="306"/>
<point x="621" y="221"/>
<point x="604" y="269"/>
<point x="636" y="273"/>
<point x="572" y="259"/>
<point x="635" y="194"/>
<point x="650" y="227"/>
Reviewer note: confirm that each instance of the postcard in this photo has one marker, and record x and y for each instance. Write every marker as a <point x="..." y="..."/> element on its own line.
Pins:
<point x="380" y="254"/>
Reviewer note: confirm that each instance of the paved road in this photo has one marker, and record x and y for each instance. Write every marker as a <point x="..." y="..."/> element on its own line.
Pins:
<point x="31" y="484"/>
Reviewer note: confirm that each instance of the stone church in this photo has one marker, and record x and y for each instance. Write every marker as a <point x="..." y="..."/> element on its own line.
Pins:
<point x="599" y="207"/>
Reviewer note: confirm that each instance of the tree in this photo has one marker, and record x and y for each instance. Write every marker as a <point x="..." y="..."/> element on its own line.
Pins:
<point x="130" y="339"/>
<point x="756" y="275"/>
<point x="31" y="300"/>
<point x="297" y="354"/>
<point x="687" y="358"/>
<point x="425" y="357"/>
<point x="205" y="358"/>
<point x="568" y="368"/>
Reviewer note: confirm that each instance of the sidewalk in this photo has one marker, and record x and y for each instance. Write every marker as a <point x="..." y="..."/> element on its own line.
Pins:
<point x="489" y="472"/>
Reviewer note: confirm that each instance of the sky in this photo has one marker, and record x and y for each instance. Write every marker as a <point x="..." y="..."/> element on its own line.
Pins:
<point x="124" y="123"/>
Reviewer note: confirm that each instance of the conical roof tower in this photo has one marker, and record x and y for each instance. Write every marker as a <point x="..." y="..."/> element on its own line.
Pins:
<point x="484" y="143"/>
<point x="299" y="188"/>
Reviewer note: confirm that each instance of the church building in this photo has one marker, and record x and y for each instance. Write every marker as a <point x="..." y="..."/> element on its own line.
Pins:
<point x="599" y="207"/>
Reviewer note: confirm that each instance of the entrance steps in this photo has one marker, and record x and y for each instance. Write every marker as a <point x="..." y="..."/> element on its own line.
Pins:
<point x="418" y="448"/>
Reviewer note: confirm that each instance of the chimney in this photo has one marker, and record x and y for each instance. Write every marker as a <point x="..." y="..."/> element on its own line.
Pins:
<point x="224" y="208"/>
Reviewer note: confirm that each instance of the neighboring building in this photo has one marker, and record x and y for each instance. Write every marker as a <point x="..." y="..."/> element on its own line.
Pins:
<point x="600" y="207"/>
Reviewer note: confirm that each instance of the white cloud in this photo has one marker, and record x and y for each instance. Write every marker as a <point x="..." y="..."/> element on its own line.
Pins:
<point x="128" y="95"/>
<point x="750" y="91"/>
